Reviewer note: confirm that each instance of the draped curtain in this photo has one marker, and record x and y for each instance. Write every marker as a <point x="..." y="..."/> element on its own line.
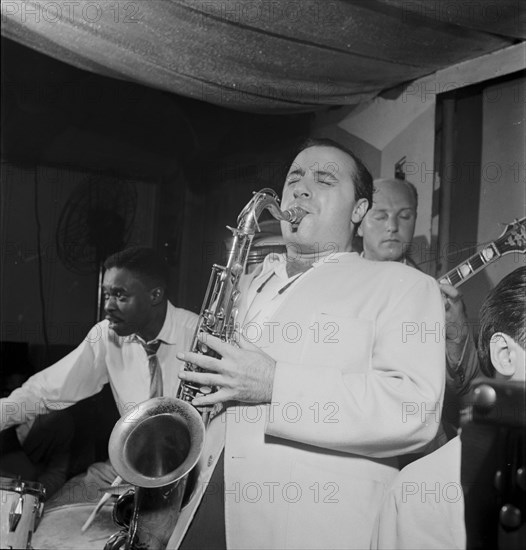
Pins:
<point x="279" y="56"/>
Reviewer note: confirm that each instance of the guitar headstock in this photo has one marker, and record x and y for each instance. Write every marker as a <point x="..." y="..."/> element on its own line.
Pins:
<point x="513" y="239"/>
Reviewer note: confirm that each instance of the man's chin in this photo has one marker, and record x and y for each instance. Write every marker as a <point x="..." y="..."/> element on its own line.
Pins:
<point x="392" y="253"/>
<point x="120" y="330"/>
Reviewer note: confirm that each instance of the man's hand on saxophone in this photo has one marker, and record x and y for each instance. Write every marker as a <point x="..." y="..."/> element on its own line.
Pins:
<point x="244" y="374"/>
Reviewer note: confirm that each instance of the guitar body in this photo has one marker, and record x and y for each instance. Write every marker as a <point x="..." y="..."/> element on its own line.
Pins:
<point x="513" y="239"/>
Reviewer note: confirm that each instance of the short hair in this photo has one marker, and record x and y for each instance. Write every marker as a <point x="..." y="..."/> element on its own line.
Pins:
<point x="143" y="261"/>
<point x="408" y="184"/>
<point x="504" y="311"/>
<point x="361" y="177"/>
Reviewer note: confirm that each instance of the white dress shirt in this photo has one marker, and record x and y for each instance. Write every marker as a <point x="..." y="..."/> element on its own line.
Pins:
<point x="269" y="289"/>
<point x="101" y="357"/>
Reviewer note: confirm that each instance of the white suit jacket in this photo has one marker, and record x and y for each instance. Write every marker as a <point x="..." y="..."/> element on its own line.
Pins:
<point x="424" y="508"/>
<point x="359" y="350"/>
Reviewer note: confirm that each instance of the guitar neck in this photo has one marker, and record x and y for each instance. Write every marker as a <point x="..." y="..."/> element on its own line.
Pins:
<point x="472" y="265"/>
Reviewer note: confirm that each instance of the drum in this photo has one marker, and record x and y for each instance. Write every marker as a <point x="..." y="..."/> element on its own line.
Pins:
<point x="60" y="527"/>
<point x="21" y="506"/>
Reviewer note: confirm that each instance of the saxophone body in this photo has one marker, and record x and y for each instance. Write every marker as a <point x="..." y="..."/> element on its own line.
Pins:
<point x="156" y="445"/>
<point x="218" y="316"/>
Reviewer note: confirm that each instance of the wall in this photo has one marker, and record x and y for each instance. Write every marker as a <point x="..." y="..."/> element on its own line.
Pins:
<point x="503" y="183"/>
<point x="68" y="299"/>
<point x="503" y="179"/>
<point x="417" y="142"/>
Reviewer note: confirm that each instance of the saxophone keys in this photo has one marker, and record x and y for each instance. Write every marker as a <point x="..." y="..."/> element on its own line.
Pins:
<point x="209" y="318"/>
<point x="203" y="348"/>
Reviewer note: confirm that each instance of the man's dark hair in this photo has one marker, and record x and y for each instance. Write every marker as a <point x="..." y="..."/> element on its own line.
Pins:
<point x="143" y="261"/>
<point x="504" y="311"/>
<point x="361" y="177"/>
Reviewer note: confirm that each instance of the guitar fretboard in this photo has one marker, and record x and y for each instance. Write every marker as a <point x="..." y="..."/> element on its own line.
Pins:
<point x="473" y="265"/>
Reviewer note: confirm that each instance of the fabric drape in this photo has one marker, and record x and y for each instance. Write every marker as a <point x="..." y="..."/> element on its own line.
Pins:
<point x="279" y="56"/>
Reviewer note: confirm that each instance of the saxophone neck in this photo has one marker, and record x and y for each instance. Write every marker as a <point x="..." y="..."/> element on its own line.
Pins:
<point x="266" y="199"/>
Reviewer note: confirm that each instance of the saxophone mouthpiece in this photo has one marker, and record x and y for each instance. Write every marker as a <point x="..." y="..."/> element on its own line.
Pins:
<point x="294" y="215"/>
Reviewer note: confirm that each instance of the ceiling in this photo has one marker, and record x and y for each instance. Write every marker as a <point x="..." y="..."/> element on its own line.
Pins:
<point x="277" y="56"/>
<point x="140" y="87"/>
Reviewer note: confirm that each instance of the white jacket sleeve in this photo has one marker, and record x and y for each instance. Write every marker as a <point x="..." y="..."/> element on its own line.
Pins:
<point x="80" y="374"/>
<point x="392" y="405"/>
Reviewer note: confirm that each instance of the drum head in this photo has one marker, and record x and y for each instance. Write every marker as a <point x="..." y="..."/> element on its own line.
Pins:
<point x="60" y="528"/>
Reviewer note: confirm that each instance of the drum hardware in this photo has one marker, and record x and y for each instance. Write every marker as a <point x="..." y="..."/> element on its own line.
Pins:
<point x="17" y="508"/>
<point x="25" y="502"/>
<point x="116" y="490"/>
<point x="100" y="504"/>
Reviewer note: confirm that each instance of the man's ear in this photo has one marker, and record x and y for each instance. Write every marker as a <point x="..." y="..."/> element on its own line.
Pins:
<point x="500" y="348"/>
<point x="359" y="210"/>
<point x="157" y="295"/>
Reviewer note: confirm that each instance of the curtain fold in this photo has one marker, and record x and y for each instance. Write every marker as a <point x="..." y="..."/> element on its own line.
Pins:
<point x="279" y="56"/>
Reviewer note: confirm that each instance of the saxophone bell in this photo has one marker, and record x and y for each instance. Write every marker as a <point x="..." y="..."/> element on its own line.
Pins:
<point x="153" y="447"/>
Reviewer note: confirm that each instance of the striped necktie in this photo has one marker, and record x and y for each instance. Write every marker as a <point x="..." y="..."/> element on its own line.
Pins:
<point x="156" y="376"/>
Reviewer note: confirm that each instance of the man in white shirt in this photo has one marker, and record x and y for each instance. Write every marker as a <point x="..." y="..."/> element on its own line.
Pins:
<point x="387" y="231"/>
<point x="314" y="399"/>
<point x="117" y="351"/>
<point x="424" y="509"/>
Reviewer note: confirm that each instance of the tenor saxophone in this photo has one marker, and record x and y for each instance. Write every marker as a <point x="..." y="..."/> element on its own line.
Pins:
<point x="156" y="445"/>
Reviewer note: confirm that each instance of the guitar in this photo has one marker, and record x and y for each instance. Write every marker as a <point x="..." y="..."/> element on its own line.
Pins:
<point x="513" y="239"/>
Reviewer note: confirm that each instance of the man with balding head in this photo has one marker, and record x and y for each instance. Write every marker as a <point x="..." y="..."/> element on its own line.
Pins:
<point x="387" y="231"/>
<point x="388" y="228"/>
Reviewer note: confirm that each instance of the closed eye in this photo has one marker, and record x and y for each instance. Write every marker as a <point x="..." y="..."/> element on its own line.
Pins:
<point x="293" y="178"/>
<point x="325" y="178"/>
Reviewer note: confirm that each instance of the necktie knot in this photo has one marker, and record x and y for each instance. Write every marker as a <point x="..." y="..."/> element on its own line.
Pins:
<point x="151" y="347"/>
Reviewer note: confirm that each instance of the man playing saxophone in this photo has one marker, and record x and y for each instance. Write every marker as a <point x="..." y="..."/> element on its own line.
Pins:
<point x="338" y="368"/>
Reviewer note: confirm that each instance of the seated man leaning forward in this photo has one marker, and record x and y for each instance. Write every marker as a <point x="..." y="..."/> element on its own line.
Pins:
<point x="134" y="349"/>
<point x="314" y="398"/>
<point x="425" y="506"/>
